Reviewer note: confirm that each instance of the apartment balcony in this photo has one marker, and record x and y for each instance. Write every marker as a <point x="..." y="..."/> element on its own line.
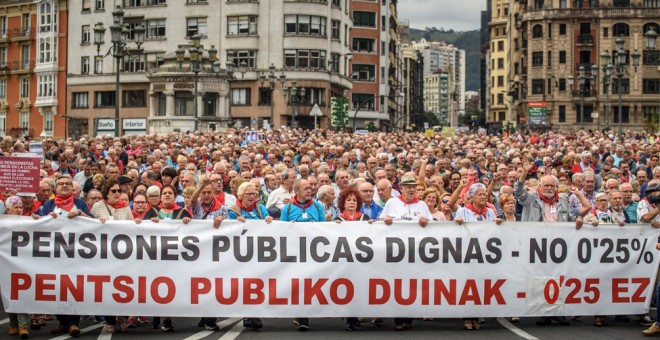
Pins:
<point x="587" y="67"/>
<point x="585" y="93"/>
<point x="22" y="34"/>
<point x="585" y="40"/>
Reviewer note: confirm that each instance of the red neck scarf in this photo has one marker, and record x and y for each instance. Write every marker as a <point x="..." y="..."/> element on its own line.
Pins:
<point x="64" y="202"/>
<point x="171" y="206"/>
<point x="35" y="207"/>
<point x="220" y="197"/>
<point x="347" y="217"/>
<point x="248" y="209"/>
<point x="302" y="206"/>
<point x="120" y="204"/>
<point x="213" y="207"/>
<point x="140" y="216"/>
<point x="483" y="211"/>
<point x="551" y="201"/>
<point x="413" y="201"/>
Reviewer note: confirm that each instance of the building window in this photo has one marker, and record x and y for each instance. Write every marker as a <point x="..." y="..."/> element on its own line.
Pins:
<point x="363" y="101"/>
<point x="651" y="86"/>
<point x="620" y="30"/>
<point x="362" y="72"/>
<point x="156" y="28"/>
<point x="336" y="3"/>
<point x="45" y="17"/>
<point x="184" y="104"/>
<point x="500" y="99"/>
<point x="46" y="52"/>
<point x="24" y="120"/>
<point x="25" y="87"/>
<point x="249" y="58"/>
<point x="25" y="57"/>
<point x="86" y="34"/>
<point x="84" y="65"/>
<point x="98" y="65"/>
<point x="652" y="4"/>
<point x="162" y="104"/>
<point x="562" y="57"/>
<point x="500" y="45"/>
<point x="336" y="27"/>
<point x="3" y="88"/>
<point x="364" y="19"/>
<point x="46" y="86"/>
<point x="242" y="25"/>
<point x="80" y="100"/>
<point x="315" y="95"/>
<point x="48" y="122"/>
<point x="134" y="98"/>
<point x="3" y="123"/>
<point x="621" y="3"/>
<point x="537" y="31"/>
<point x="100" y="5"/>
<point x="500" y="81"/>
<point x="562" y="114"/>
<point x="196" y="26"/>
<point x="240" y="96"/>
<point x="562" y="29"/>
<point x="3" y="26"/>
<point x="364" y="45"/>
<point x="562" y="84"/>
<point x="265" y="96"/>
<point x="538" y="86"/>
<point x="134" y="65"/>
<point x="304" y="24"/>
<point x="500" y="63"/>
<point x="585" y="115"/>
<point x="625" y="86"/>
<point x="304" y="58"/>
<point x="86" y="6"/>
<point x="651" y="113"/>
<point x="625" y="114"/>
<point x="3" y="56"/>
<point x="104" y="99"/>
<point x="537" y="59"/>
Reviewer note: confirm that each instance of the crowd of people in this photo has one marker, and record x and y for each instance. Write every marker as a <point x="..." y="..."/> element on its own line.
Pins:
<point x="589" y="178"/>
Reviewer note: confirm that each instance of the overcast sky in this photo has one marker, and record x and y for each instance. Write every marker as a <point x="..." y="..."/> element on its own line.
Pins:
<point x="460" y="15"/>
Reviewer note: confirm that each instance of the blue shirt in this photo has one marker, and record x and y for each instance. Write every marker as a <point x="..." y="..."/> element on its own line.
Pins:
<point x="373" y="211"/>
<point x="313" y="213"/>
<point x="250" y="215"/>
<point x="632" y="211"/>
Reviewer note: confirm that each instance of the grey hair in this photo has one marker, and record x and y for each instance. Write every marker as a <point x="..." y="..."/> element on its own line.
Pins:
<point x="474" y="188"/>
<point x="323" y="190"/>
<point x="575" y="177"/>
<point x="193" y="173"/>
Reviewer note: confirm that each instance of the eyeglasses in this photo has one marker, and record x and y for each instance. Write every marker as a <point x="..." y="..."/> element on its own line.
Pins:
<point x="94" y="198"/>
<point x="167" y="193"/>
<point x="366" y="190"/>
<point x="65" y="183"/>
<point x="602" y="200"/>
<point x="445" y="201"/>
<point x="115" y="191"/>
<point x="153" y="196"/>
<point x="250" y="193"/>
<point x="139" y="202"/>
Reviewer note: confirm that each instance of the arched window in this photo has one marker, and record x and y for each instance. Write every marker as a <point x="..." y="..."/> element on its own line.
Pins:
<point x="537" y="31"/>
<point x="621" y="29"/>
<point x="648" y="26"/>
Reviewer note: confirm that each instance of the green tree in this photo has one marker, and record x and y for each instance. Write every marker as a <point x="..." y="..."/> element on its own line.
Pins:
<point x="432" y="118"/>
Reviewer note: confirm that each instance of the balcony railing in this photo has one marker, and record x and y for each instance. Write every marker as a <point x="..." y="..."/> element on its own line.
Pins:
<point x="587" y="67"/>
<point x="585" y="93"/>
<point x="585" y="39"/>
<point x="22" y="32"/>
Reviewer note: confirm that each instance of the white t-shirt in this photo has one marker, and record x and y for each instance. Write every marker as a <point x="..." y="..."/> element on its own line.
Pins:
<point x="398" y="210"/>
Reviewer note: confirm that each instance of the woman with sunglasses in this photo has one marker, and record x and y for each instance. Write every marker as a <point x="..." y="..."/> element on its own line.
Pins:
<point x="111" y="208"/>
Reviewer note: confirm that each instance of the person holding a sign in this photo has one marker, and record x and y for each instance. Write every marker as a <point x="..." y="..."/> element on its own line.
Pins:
<point x="406" y="207"/>
<point x="64" y="202"/>
<point x="18" y="323"/>
<point x="247" y="208"/>
<point x="110" y="209"/>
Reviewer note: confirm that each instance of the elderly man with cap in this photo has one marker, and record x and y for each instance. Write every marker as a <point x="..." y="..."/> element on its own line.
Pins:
<point x="406" y="207"/>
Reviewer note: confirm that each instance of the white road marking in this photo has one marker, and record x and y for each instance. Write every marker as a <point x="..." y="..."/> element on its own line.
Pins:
<point x="519" y="332"/>
<point x="233" y="333"/>
<point x="104" y="335"/>
<point x="4" y="321"/>
<point x="222" y="324"/>
<point x="84" y="330"/>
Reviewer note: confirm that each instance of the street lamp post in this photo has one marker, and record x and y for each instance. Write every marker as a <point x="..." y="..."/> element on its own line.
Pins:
<point x="295" y="96"/>
<point x="620" y="60"/>
<point x="196" y="57"/>
<point x="606" y="60"/>
<point x="582" y="86"/>
<point x="231" y="78"/>
<point x="119" y="35"/>
<point x="269" y="82"/>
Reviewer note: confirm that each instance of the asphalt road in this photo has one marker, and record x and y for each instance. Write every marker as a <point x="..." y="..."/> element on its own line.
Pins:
<point x="332" y="328"/>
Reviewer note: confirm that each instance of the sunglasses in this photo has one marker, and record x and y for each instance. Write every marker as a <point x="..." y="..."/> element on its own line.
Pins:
<point x="115" y="191"/>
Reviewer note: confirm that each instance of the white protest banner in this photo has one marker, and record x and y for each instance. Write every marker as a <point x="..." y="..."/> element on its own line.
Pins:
<point x="79" y="266"/>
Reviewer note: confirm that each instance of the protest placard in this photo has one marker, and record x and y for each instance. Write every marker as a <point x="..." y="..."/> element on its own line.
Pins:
<point x="19" y="174"/>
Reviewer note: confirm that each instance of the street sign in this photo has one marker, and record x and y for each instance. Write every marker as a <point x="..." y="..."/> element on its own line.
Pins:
<point x="594" y="115"/>
<point x="537" y="113"/>
<point x="316" y="111"/>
